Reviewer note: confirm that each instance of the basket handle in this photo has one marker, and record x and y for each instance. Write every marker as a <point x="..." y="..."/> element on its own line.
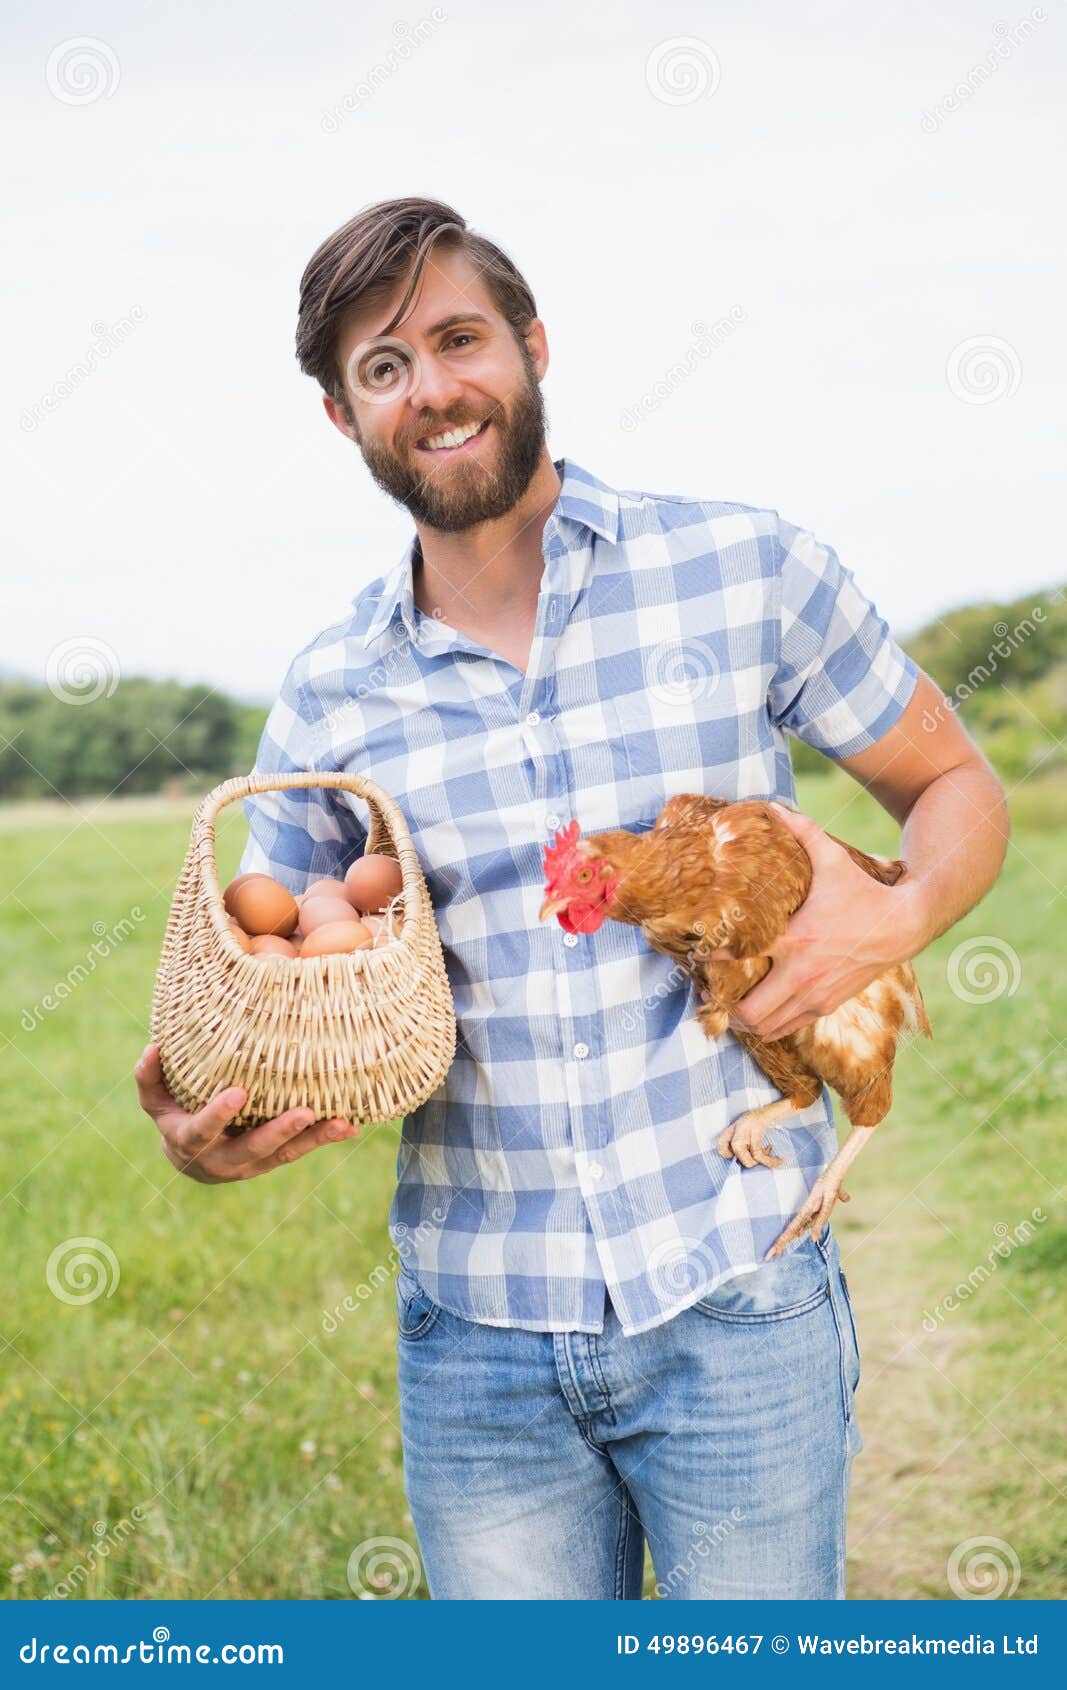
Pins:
<point x="388" y="831"/>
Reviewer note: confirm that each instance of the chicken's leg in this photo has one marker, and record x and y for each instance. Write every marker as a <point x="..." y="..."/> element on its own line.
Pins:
<point x="823" y="1194"/>
<point x="743" y="1138"/>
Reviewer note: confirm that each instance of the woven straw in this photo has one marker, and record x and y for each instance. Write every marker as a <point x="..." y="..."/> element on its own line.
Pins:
<point x="366" y="1035"/>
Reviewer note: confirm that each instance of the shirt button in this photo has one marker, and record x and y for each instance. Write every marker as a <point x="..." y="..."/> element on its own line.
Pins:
<point x="570" y="939"/>
<point x="595" y="1171"/>
<point x="533" y="719"/>
<point x="581" y="1051"/>
<point x="552" y="822"/>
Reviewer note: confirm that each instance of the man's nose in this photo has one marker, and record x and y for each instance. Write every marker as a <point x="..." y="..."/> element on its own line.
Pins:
<point x="434" y="387"/>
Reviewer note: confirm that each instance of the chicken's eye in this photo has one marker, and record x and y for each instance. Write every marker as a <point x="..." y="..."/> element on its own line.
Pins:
<point x="585" y="874"/>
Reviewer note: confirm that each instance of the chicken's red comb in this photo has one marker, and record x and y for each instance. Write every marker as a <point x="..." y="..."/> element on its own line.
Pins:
<point x="559" y="856"/>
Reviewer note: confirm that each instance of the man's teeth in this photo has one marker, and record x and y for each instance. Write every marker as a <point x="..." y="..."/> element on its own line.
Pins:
<point x="455" y="437"/>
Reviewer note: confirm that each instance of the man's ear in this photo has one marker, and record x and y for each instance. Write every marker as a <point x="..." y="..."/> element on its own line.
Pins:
<point x="341" y="418"/>
<point x="536" y="341"/>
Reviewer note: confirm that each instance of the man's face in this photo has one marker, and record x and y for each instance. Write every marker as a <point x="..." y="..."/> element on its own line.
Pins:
<point x="447" y="408"/>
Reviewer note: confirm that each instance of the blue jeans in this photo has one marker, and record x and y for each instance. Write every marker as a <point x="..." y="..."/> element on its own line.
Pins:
<point x="536" y="1464"/>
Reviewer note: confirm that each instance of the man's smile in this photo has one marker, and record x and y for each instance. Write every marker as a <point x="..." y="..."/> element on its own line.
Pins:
<point x="454" y="442"/>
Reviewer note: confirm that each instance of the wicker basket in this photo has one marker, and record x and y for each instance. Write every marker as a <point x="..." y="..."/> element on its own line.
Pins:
<point x="366" y="1035"/>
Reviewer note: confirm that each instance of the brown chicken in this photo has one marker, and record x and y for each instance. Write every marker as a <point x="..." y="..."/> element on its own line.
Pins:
<point x="712" y="885"/>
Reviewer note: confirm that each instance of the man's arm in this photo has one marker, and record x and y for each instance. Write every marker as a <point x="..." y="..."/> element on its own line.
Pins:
<point x="930" y="776"/>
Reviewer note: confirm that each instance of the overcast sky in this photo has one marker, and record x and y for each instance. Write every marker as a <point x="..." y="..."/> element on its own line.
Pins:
<point x="862" y="206"/>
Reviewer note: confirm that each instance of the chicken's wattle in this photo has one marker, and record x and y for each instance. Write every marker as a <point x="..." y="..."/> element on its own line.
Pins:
<point x="582" y="918"/>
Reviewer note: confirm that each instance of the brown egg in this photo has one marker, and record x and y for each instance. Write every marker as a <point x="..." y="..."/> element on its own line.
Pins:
<point x="265" y="944"/>
<point x="227" y="896"/>
<point x="316" y="912"/>
<point x="336" y="937"/>
<point x="263" y="905"/>
<point x="240" y="935"/>
<point x="379" y="928"/>
<point x="372" y="881"/>
<point x="326" y="889"/>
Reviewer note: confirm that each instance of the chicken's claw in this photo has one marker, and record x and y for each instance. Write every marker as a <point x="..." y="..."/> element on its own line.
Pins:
<point x="743" y="1138"/>
<point x="812" y="1217"/>
<point x="823" y="1194"/>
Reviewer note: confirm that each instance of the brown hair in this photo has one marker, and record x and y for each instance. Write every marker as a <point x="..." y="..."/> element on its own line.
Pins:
<point x="368" y="256"/>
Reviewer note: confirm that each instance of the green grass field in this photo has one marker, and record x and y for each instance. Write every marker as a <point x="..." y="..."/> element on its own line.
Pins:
<point x="198" y="1433"/>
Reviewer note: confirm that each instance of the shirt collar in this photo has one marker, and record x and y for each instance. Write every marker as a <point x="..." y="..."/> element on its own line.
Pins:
<point x="583" y="500"/>
<point x="586" y="501"/>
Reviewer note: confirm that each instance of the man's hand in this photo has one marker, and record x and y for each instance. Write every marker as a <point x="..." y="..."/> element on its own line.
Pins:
<point x="848" y="930"/>
<point x="197" y="1145"/>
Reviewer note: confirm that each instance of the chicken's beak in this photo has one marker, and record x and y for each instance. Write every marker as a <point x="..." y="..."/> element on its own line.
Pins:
<point x="551" y="907"/>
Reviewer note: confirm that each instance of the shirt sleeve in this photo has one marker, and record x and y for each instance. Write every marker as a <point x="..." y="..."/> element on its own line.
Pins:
<point x="298" y="834"/>
<point x="841" y="680"/>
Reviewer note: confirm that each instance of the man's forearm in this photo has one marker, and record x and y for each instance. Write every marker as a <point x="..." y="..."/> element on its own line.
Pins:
<point x="954" y="840"/>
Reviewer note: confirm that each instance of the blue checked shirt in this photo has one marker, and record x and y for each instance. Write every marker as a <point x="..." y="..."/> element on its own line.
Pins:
<point x="570" y="1152"/>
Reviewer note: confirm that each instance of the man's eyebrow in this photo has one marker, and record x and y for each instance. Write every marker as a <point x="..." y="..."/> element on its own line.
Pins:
<point x="457" y="317"/>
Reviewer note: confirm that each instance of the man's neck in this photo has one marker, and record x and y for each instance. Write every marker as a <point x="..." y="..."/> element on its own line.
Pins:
<point x="481" y="577"/>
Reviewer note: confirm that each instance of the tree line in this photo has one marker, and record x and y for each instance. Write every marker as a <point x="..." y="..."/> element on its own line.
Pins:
<point x="1002" y="666"/>
<point x="145" y="736"/>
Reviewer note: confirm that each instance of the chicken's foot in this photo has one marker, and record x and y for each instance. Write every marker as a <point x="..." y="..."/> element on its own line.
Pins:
<point x="743" y="1138"/>
<point x="823" y="1194"/>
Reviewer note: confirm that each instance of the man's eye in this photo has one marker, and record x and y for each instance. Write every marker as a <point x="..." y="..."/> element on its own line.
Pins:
<point x="382" y="372"/>
<point x="455" y="341"/>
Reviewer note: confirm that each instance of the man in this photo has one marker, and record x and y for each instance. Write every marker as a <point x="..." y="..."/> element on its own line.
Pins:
<point x="592" y="1350"/>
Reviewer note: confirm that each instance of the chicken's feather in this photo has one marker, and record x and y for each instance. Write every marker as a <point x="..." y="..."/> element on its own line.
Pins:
<point x="713" y="876"/>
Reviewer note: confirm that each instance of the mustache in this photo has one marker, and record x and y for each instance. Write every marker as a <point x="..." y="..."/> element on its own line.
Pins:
<point x="438" y="425"/>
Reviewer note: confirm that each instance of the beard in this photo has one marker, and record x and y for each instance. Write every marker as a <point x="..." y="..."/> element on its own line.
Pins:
<point x="467" y="494"/>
